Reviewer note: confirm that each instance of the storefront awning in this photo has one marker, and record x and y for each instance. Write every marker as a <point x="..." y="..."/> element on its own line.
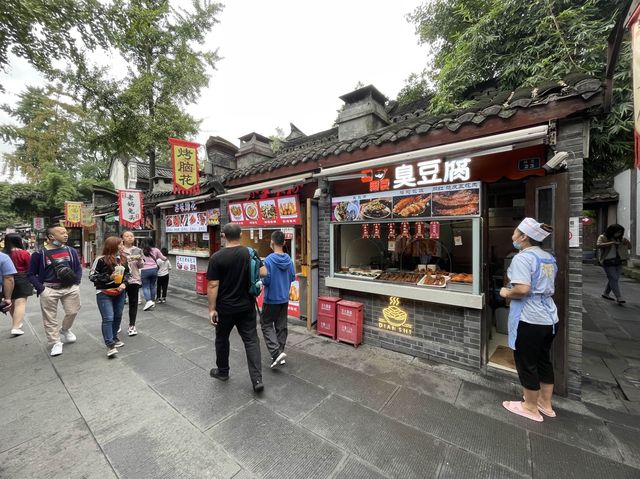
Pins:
<point x="197" y="199"/>
<point x="291" y="180"/>
<point x="470" y="147"/>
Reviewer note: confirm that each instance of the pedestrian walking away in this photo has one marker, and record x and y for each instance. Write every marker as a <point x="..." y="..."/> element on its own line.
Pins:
<point x="277" y="283"/>
<point x="55" y="272"/>
<point x="7" y="282"/>
<point x="533" y="317"/>
<point x="135" y="262"/>
<point x="231" y="304"/>
<point x="164" y="266"/>
<point x="149" y="272"/>
<point x="20" y="257"/>
<point x="110" y="275"/>
<point x="613" y="251"/>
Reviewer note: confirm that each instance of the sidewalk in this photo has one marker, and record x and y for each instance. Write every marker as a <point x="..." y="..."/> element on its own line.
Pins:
<point x="332" y="411"/>
<point x="611" y="344"/>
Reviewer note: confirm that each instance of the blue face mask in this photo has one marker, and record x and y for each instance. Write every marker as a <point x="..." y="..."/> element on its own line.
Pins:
<point x="56" y="243"/>
<point x="517" y="245"/>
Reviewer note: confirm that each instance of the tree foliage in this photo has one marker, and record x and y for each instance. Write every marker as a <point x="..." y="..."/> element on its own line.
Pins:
<point x="42" y="31"/>
<point x="520" y="44"/>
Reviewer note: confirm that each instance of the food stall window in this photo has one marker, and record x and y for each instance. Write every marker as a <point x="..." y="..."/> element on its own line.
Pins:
<point x="190" y="244"/>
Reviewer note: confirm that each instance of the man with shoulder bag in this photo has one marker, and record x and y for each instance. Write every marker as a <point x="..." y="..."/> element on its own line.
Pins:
<point x="55" y="273"/>
<point x="613" y="251"/>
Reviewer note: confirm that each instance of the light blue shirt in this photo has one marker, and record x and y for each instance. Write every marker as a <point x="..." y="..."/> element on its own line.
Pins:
<point x="540" y="275"/>
<point x="6" y="267"/>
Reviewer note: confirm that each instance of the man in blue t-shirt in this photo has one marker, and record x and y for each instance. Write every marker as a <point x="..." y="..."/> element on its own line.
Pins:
<point x="280" y="274"/>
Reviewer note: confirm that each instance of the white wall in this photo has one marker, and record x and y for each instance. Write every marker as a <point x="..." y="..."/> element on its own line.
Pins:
<point x="622" y="184"/>
<point x="117" y="175"/>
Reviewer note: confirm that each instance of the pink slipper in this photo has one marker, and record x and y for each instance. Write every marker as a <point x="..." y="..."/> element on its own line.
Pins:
<point x="516" y="408"/>
<point x="547" y="412"/>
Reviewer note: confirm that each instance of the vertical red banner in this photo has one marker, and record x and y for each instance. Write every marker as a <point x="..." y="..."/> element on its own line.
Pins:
<point x="365" y="231"/>
<point x="130" y="208"/>
<point x="420" y="228"/>
<point x="434" y="230"/>
<point x="184" y="162"/>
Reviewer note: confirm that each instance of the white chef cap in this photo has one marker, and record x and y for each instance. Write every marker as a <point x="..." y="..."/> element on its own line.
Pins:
<point x="533" y="229"/>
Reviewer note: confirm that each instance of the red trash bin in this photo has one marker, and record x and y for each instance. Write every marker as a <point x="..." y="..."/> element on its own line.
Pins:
<point x="201" y="282"/>
<point x="326" y="320"/>
<point x="350" y="318"/>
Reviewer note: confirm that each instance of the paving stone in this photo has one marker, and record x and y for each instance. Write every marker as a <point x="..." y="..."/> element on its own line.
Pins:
<point x="135" y="344"/>
<point x="33" y="369"/>
<point x="507" y="445"/>
<point x="594" y="367"/>
<point x="179" y="339"/>
<point x="33" y="412"/>
<point x="396" y="449"/>
<point x="75" y="451"/>
<point x="579" y="430"/>
<point x="167" y="453"/>
<point x="288" y="394"/>
<point x="460" y="464"/>
<point x="357" y="469"/>
<point x="619" y="417"/>
<point x="365" y="390"/>
<point x="202" y="399"/>
<point x="553" y="459"/>
<point x="629" y="442"/>
<point x="269" y="446"/>
<point x="157" y="364"/>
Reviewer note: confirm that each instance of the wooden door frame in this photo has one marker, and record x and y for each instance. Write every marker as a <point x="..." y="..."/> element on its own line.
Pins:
<point x="560" y="183"/>
<point x="311" y="262"/>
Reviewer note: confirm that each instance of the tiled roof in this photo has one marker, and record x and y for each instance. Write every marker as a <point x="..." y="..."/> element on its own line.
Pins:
<point x="414" y="119"/>
<point x="161" y="171"/>
<point x="601" y="191"/>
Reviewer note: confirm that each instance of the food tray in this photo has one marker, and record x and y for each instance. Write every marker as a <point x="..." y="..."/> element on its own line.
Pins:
<point x="356" y="276"/>
<point x="460" y="287"/>
<point x="419" y="278"/>
<point x="446" y="281"/>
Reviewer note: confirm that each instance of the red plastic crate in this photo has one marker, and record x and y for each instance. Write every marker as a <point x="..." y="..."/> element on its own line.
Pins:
<point x="350" y="311"/>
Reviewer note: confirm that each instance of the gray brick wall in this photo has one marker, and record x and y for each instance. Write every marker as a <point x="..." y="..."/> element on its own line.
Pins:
<point x="570" y="138"/>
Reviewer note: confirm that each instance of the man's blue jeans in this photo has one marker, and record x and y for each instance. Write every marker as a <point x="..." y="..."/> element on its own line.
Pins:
<point x="111" y="308"/>
<point x="149" y="278"/>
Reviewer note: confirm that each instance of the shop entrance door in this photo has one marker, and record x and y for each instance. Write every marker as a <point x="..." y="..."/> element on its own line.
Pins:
<point x="547" y="200"/>
<point x="311" y="259"/>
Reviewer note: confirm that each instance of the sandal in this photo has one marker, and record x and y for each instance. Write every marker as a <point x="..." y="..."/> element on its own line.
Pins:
<point x="516" y="408"/>
<point x="547" y="412"/>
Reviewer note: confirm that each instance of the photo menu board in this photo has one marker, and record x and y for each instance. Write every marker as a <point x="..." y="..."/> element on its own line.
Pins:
<point x="461" y="199"/>
<point x="283" y="210"/>
<point x="195" y="222"/>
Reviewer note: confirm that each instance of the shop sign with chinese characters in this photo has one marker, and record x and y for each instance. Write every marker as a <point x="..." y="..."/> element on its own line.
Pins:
<point x="458" y="199"/>
<point x="187" y="223"/>
<point x="130" y="207"/>
<point x="184" y="161"/>
<point x="395" y="318"/>
<point x="185" y="207"/>
<point x="281" y="211"/>
<point x="424" y="173"/>
<point x="187" y="263"/>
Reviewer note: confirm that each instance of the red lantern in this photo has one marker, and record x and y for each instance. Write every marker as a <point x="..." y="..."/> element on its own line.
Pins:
<point x="405" y="229"/>
<point x="392" y="231"/>
<point x="365" y="231"/>
<point x="434" y="230"/>
<point x="419" y="230"/>
<point x="376" y="231"/>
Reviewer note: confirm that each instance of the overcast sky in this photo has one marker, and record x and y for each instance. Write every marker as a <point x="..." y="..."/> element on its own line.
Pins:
<point x="289" y="61"/>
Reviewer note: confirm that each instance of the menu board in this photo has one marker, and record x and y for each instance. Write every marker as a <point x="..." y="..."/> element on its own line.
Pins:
<point x="187" y="223"/>
<point x="284" y="210"/>
<point x="461" y="199"/>
<point x="186" y="263"/>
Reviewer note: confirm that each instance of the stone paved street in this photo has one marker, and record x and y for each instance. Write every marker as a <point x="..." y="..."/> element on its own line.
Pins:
<point x="332" y="411"/>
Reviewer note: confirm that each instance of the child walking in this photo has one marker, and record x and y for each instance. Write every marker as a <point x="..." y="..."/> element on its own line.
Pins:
<point x="164" y="266"/>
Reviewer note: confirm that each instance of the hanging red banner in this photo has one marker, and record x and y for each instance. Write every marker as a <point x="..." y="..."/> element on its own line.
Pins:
<point x="365" y="231"/>
<point x="420" y="227"/>
<point x="184" y="162"/>
<point x="73" y="214"/>
<point x="405" y="229"/>
<point x="130" y="208"/>
<point x="376" y="231"/>
<point x="434" y="230"/>
<point x="392" y="231"/>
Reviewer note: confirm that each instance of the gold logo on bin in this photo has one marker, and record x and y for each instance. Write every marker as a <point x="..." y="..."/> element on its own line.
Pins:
<point x="394" y="318"/>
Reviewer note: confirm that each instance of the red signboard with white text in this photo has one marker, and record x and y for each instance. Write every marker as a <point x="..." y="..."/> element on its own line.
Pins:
<point x="280" y="211"/>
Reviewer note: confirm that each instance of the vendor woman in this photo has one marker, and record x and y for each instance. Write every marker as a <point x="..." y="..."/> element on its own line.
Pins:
<point x="533" y="319"/>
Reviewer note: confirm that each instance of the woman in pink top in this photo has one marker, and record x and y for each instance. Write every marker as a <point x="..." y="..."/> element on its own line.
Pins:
<point x="13" y="247"/>
<point x="149" y="272"/>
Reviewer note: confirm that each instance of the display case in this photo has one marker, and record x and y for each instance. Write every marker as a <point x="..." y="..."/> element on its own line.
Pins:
<point x="189" y="244"/>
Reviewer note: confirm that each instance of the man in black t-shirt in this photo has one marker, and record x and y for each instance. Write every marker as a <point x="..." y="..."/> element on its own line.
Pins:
<point x="230" y="304"/>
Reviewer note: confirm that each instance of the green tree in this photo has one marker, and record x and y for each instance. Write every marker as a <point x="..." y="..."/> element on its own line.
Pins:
<point x="166" y="73"/>
<point x="42" y="31"/>
<point x="519" y="44"/>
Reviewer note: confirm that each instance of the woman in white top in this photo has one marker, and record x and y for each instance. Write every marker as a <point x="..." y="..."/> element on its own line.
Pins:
<point x="164" y="266"/>
<point x="149" y="272"/>
<point x="533" y="317"/>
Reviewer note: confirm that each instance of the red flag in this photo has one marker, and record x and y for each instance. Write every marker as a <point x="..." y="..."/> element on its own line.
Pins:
<point x="130" y="208"/>
<point x="184" y="162"/>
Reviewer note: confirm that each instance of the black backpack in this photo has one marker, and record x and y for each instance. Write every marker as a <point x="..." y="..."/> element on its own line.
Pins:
<point x="64" y="272"/>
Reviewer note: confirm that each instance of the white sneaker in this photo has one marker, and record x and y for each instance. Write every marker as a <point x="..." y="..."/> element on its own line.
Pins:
<point x="278" y="360"/>
<point x="17" y="332"/>
<point x="56" y="349"/>
<point x="67" y="336"/>
<point x="132" y="331"/>
<point x="112" y="351"/>
<point x="148" y="305"/>
<point x="118" y="344"/>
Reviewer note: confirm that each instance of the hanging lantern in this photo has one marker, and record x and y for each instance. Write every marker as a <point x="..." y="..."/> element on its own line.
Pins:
<point x="405" y="229"/>
<point x="365" y="231"/>
<point x="392" y="231"/>
<point x="434" y="230"/>
<point x="376" y="230"/>
<point x="420" y="229"/>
